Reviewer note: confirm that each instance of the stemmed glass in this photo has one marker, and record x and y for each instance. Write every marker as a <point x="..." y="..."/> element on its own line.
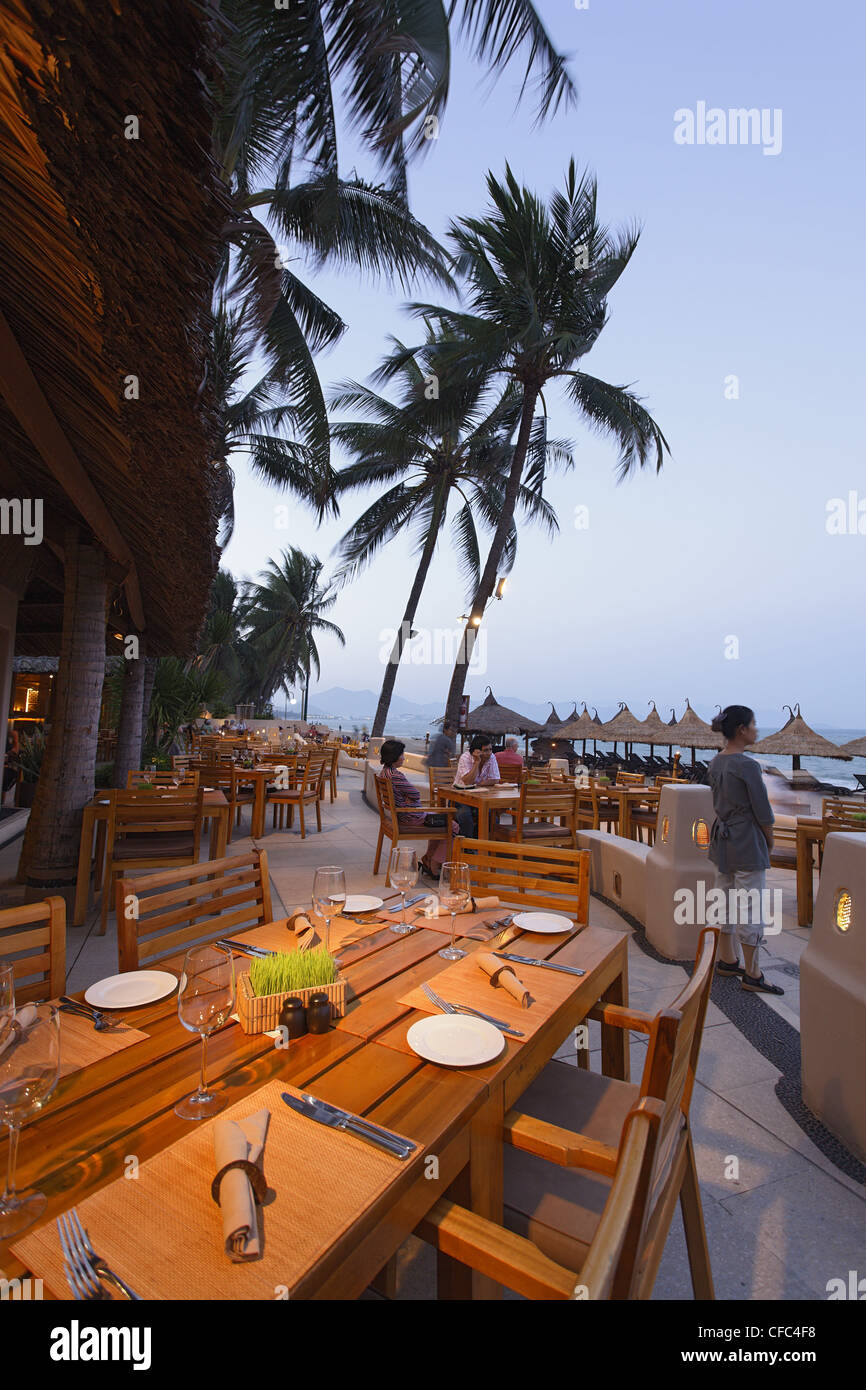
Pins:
<point x="7" y="989"/>
<point x="404" y="875"/>
<point x="29" y="1068"/>
<point x="205" y="1002"/>
<point x="329" y="896"/>
<point x="454" y="895"/>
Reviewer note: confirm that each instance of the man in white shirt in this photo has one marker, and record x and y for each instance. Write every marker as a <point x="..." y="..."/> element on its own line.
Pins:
<point x="479" y="766"/>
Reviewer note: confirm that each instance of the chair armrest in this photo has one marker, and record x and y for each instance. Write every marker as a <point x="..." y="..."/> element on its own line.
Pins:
<point x="557" y="1145"/>
<point x="619" y="1017"/>
<point x="492" y="1250"/>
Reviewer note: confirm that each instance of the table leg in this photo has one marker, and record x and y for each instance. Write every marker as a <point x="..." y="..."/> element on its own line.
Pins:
<point x="479" y="1188"/>
<point x="219" y="831"/>
<point x="484" y="821"/>
<point x="258" y="825"/>
<point x="614" y="1041"/>
<point x="85" y="854"/>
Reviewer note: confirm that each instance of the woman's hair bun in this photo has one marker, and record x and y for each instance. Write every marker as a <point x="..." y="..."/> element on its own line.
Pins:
<point x="716" y="726"/>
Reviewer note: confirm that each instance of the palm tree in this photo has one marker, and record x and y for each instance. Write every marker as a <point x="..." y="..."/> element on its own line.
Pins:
<point x="282" y="615"/>
<point x="277" y="103"/>
<point x="429" y="452"/>
<point x="537" y="278"/>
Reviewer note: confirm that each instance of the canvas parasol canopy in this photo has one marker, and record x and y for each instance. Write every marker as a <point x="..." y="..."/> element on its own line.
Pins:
<point x="798" y="741"/>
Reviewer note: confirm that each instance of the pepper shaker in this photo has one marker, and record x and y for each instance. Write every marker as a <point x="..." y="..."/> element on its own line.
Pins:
<point x="318" y="1013"/>
<point x="293" y="1017"/>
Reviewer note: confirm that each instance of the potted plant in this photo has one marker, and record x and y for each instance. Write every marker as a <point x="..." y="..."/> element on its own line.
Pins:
<point x="272" y="979"/>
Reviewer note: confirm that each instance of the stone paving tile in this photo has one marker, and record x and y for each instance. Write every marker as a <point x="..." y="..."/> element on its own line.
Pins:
<point x="722" y="1133"/>
<point x="728" y="1061"/>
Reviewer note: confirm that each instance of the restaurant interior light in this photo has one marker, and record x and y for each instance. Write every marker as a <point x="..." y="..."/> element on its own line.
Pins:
<point x="842" y="912"/>
<point x="666" y="825"/>
<point x="500" y="587"/>
<point x="701" y="834"/>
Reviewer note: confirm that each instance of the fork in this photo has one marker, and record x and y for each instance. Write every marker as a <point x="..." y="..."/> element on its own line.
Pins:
<point x="447" y="1008"/>
<point x="97" y="1018"/>
<point x="80" y="1254"/>
<point x="85" y="1285"/>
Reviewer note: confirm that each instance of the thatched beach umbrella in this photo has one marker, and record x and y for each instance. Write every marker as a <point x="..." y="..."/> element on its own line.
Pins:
<point x="624" y="727"/>
<point x="553" y="725"/>
<point x="797" y="740"/>
<point x="693" y="732"/>
<point x="855" y="749"/>
<point x="654" y="729"/>
<point x="581" y="727"/>
<point x="492" y="718"/>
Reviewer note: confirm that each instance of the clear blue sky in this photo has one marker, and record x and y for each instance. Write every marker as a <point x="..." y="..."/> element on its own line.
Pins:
<point x="748" y="265"/>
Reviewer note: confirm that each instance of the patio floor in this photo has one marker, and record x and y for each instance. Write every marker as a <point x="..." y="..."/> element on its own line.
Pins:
<point x="784" y="1203"/>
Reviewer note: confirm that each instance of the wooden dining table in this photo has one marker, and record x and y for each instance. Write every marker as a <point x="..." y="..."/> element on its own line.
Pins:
<point x="505" y="797"/>
<point x="123" y="1104"/>
<point x="627" y="798"/>
<point x="94" y="818"/>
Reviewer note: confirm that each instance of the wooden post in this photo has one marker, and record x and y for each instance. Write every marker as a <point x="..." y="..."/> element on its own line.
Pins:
<point x="50" y="852"/>
<point x="129" y="732"/>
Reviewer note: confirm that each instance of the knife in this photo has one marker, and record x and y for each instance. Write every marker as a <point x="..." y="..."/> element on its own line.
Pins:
<point x="367" y="1124"/>
<point x="544" y="964"/>
<point x="342" y="1121"/>
<point x="244" y="948"/>
<point x="419" y="897"/>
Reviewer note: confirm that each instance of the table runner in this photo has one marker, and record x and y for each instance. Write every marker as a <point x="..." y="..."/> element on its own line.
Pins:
<point x="162" y="1231"/>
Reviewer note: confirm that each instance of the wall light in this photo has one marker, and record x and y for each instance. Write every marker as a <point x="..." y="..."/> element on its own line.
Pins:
<point x="701" y="834"/>
<point x="842" y="911"/>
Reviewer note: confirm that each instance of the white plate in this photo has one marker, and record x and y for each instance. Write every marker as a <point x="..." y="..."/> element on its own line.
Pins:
<point x="361" y="902"/>
<point x="455" y="1040"/>
<point x="543" y="922"/>
<point x="133" y="988"/>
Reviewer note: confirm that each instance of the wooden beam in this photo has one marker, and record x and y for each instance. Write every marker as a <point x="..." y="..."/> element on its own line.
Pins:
<point x="28" y="404"/>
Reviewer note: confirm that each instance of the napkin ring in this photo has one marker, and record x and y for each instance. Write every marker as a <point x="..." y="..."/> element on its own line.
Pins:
<point x="255" y="1175"/>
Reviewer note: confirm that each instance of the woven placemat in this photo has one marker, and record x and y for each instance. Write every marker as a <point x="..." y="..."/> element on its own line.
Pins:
<point x="81" y="1044"/>
<point x="464" y="982"/>
<point x="275" y="936"/>
<point x="162" y="1232"/>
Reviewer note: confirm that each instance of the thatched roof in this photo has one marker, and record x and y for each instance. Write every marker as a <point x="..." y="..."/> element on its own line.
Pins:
<point x="692" y="732"/>
<point x="856" y="748"/>
<point x="624" y="727"/>
<point x="108" y="248"/>
<point x="492" y="718"/>
<point x="798" y="740"/>
<point x="581" y="727"/>
<point x="553" y="724"/>
<point x="655" y="730"/>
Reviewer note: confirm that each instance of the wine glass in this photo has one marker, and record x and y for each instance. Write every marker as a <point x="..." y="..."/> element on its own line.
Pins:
<point x="404" y="875"/>
<point x="454" y="895"/>
<point x="329" y="896"/>
<point x="7" y="989"/>
<point x="205" y="1001"/>
<point x="29" y="1068"/>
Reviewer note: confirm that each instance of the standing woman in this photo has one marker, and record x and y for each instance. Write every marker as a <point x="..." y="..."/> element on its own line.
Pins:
<point x="740" y="844"/>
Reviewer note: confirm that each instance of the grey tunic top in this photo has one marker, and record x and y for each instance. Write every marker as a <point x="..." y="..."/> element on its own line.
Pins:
<point x="441" y="749"/>
<point x="742" y="806"/>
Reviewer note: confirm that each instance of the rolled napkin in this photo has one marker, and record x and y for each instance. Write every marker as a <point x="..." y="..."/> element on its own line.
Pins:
<point x="240" y="1141"/>
<point x="299" y="921"/>
<point x="475" y="905"/>
<point x="502" y="974"/>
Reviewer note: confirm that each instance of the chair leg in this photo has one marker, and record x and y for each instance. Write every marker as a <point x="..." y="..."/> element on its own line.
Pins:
<point x="107" y="886"/>
<point x="301" y="815"/>
<point x="318" y="814"/>
<point x="693" y="1223"/>
<point x="378" y="850"/>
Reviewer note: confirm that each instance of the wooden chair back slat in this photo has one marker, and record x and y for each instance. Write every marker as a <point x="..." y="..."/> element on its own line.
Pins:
<point x="162" y="779"/>
<point x="194" y="903"/>
<point x="544" y="876"/>
<point x="38" y="952"/>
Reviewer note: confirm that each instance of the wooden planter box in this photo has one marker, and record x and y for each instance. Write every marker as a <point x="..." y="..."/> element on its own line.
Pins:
<point x="261" y="1013"/>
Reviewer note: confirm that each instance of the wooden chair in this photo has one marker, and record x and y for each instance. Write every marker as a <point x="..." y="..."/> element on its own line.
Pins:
<point x="228" y="779"/>
<point x="390" y="827"/>
<point x="605" y="810"/>
<point x="544" y="876"/>
<point x="841" y="813"/>
<point x="542" y="815"/>
<point x="439" y="777"/>
<point x="306" y="791"/>
<point x="184" y="907"/>
<point x="333" y="765"/>
<point x="511" y="774"/>
<point x="643" y="816"/>
<point x="630" y="779"/>
<point x="145" y="831"/>
<point x="783" y="855"/>
<point x="161" y="779"/>
<point x="663" y="780"/>
<point x="617" y="1244"/>
<point x="584" y="809"/>
<point x="33" y="942"/>
<point x="565" y="1141"/>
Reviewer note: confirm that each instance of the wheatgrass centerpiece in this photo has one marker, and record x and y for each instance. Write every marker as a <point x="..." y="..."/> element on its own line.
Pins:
<point x="297" y="974"/>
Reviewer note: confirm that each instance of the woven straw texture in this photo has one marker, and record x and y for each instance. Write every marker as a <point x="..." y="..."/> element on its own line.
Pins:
<point x="81" y="1045"/>
<point x="162" y="1232"/>
<point x="464" y="982"/>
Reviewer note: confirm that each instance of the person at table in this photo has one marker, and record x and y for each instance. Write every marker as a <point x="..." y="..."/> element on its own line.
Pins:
<point x="443" y="747"/>
<point x="740" y="842"/>
<point x="477" y="767"/>
<point x="406" y="794"/>
<point x="510" y="755"/>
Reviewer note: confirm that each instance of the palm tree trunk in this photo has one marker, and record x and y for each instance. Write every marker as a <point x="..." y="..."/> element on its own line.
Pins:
<point x="49" y="855"/>
<point x="491" y="569"/>
<point x="129" y="725"/>
<point x="147" y="695"/>
<point x="390" y="678"/>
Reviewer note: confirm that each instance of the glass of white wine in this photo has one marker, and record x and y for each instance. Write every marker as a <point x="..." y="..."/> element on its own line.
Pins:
<point x="329" y="896"/>
<point x="404" y="875"/>
<point x="205" y="1002"/>
<point x="29" y="1068"/>
<point x="454" y="895"/>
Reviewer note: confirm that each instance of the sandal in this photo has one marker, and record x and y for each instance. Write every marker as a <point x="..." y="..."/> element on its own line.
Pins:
<point x="759" y="985"/>
<point x="724" y="967"/>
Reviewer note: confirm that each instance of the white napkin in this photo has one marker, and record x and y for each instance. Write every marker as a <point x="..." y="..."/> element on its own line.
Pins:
<point x="234" y="1139"/>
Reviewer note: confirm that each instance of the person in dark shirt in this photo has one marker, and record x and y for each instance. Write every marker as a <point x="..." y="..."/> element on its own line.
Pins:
<point x="443" y="747"/>
<point x="740" y="842"/>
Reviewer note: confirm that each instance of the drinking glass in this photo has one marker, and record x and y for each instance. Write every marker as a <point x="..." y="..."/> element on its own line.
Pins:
<point x="404" y="875"/>
<point x="205" y="1002"/>
<point x="329" y="896"/>
<point x="29" y="1068"/>
<point x="454" y="895"/>
<point x="7" y="989"/>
